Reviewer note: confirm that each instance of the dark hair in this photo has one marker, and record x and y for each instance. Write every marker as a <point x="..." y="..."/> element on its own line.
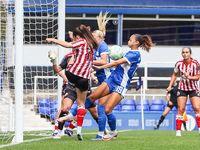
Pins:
<point x="188" y="48"/>
<point x="83" y="32"/>
<point x="145" y="41"/>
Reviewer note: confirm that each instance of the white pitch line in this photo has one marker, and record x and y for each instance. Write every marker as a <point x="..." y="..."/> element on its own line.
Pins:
<point x="11" y="144"/>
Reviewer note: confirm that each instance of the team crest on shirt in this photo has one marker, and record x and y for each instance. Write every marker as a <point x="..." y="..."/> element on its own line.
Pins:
<point x="178" y="93"/>
<point x="189" y="70"/>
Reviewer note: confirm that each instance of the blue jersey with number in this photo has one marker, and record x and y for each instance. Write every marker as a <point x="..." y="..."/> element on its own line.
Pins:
<point x="102" y="49"/>
<point x="123" y="74"/>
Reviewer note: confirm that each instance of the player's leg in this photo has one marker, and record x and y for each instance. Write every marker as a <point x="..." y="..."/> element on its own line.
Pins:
<point x="81" y="96"/>
<point x="66" y="105"/>
<point x="97" y="93"/>
<point x="166" y="111"/>
<point x="114" y="99"/>
<point x="101" y="117"/>
<point x="179" y="117"/>
<point x="195" y="103"/>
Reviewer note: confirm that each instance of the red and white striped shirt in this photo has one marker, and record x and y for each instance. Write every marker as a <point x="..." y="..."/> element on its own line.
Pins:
<point x="83" y="57"/>
<point x="184" y="83"/>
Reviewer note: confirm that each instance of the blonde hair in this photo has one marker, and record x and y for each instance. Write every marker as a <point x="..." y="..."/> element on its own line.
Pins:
<point x="102" y="20"/>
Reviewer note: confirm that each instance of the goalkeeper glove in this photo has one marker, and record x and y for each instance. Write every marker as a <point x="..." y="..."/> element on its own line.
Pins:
<point x="53" y="56"/>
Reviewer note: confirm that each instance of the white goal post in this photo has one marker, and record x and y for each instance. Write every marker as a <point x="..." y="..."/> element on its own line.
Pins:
<point x="19" y="61"/>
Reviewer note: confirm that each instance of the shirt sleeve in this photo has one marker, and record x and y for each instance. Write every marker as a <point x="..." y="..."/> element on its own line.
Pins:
<point x="104" y="49"/>
<point x="176" y="68"/>
<point x="64" y="62"/>
<point x="132" y="57"/>
<point x="78" y="43"/>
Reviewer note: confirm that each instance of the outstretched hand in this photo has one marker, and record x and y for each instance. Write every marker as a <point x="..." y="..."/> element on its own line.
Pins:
<point x="49" y="40"/>
<point x="52" y="56"/>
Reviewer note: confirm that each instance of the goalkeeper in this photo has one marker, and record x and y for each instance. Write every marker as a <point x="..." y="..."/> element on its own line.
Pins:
<point x="68" y="94"/>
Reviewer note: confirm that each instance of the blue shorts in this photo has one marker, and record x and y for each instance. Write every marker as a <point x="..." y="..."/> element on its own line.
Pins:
<point x="101" y="79"/>
<point x="114" y="87"/>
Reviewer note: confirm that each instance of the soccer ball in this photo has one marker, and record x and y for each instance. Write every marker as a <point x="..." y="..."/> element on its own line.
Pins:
<point x="115" y="52"/>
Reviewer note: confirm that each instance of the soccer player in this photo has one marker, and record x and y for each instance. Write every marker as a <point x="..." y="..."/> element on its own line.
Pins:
<point x="68" y="94"/>
<point x="100" y="58"/>
<point x="118" y="82"/>
<point x="172" y="102"/>
<point x="79" y="72"/>
<point x="189" y="73"/>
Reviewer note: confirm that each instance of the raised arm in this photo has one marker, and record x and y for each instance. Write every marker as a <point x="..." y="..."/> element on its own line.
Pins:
<point x="102" y="61"/>
<point x="113" y="63"/>
<point x="61" y="43"/>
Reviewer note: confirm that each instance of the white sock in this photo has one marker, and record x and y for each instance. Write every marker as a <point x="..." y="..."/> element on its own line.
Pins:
<point x="55" y="131"/>
<point x="79" y="129"/>
<point x="59" y="132"/>
<point x="106" y="130"/>
<point x="115" y="131"/>
<point x="199" y="129"/>
<point x="68" y="128"/>
<point x="101" y="133"/>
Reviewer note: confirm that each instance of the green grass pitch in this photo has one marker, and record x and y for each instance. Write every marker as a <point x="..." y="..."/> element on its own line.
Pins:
<point x="126" y="140"/>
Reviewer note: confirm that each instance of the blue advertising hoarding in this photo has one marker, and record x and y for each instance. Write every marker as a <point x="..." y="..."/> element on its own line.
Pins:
<point x="133" y="121"/>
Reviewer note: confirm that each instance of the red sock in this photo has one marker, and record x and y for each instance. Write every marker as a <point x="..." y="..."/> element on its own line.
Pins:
<point x="56" y="125"/>
<point x="179" y="120"/>
<point x="198" y="120"/>
<point x="73" y="124"/>
<point x="80" y="115"/>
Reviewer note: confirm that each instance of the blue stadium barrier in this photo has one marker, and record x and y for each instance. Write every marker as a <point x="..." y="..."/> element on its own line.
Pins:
<point x="174" y="109"/>
<point x="191" y="108"/>
<point x="73" y="106"/>
<point x="117" y="108"/>
<point x="128" y="108"/>
<point x="129" y="102"/>
<point x="157" y="102"/>
<point x="120" y="103"/>
<point x="97" y="101"/>
<point x="188" y="102"/>
<point x="132" y="120"/>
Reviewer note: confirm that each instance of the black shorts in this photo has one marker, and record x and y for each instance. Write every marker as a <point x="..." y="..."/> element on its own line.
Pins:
<point x="186" y="93"/>
<point x="171" y="106"/>
<point x="70" y="91"/>
<point x="63" y="89"/>
<point x="79" y="82"/>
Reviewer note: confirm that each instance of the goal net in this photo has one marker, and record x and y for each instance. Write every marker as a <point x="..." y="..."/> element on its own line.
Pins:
<point x="39" y="82"/>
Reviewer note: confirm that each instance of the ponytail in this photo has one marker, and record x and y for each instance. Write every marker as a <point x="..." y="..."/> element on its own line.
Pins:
<point x="145" y="42"/>
<point x="102" y="20"/>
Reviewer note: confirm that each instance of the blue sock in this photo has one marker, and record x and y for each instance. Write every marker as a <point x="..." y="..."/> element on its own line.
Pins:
<point x="101" y="118"/>
<point x="74" y="112"/>
<point x="111" y="121"/>
<point x="88" y="102"/>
